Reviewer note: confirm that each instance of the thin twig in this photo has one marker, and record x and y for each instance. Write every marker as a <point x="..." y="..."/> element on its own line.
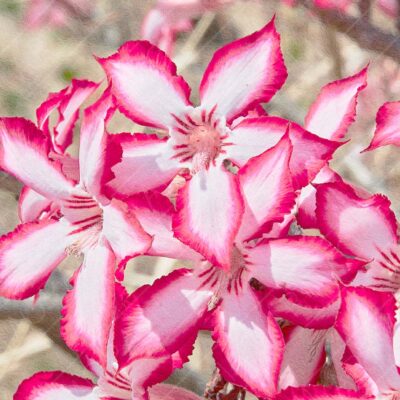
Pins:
<point x="366" y="35"/>
<point x="365" y="9"/>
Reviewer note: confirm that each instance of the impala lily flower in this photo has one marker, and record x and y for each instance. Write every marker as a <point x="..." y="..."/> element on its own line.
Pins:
<point x="55" y="13"/>
<point x="341" y="5"/>
<point x="305" y="356"/>
<point x="248" y="349"/>
<point x="390" y="7"/>
<point x="365" y="228"/>
<point x="329" y="117"/>
<point x="366" y="322"/>
<point x="85" y="222"/>
<point x="387" y="126"/>
<point x="67" y="103"/>
<point x="240" y="76"/>
<point x="170" y="17"/>
<point x="113" y="383"/>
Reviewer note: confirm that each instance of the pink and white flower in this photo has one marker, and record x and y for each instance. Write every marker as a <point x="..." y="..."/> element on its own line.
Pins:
<point x="364" y="228"/>
<point x="387" y="126"/>
<point x="329" y="117"/>
<point x="240" y="76"/>
<point x="84" y="222"/>
<point x="133" y="381"/>
<point x="161" y="318"/>
<point x="66" y="103"/>
<point x="366" y="322"/>
<point x="170" y="17"/>
<point x="56" y="13"/>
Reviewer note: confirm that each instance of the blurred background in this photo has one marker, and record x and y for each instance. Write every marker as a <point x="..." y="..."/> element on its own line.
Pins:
<point x="41" y="50"/>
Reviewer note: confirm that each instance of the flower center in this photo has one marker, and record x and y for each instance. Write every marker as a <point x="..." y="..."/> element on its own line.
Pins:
<point x="86" y="216"/>
<point x="385" y="271"/>
<point x="199" y="139"/>
<point x="223" y="281"/>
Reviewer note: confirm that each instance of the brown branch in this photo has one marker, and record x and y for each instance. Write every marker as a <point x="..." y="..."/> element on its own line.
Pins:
<point x="367" y="36"/>
<point x="398" y="15"/>
<point x="216" y="389"/>
<point x="365" y="9"/>
<point x="44" y="313"/>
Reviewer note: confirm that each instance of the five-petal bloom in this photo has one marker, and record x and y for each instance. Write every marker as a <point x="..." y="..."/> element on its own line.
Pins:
<point x="240" y="76"/>
<point x="82" y="220"/>
<point x="241" y="173"/>
<point x="162" y="318"/>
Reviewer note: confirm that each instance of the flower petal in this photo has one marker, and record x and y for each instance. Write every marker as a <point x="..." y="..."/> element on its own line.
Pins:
<point x="249" y="345"/>
<point x="145" y="84"/>
<point x="88" y="308"/>
<point x="67" y="102"/>
<point x="307" y="317"/>
<point x="28" y="256"/>
<point x="24" y="153"/>
<point x="69" y="111"/>
<point x="334" y="110"/>
<point x="123" y="231"/>
<point x="371" y="315"/>
<point x="337" y="349"/>
<point x="155" y="212"/>
<point x="319" y="393"/>
<point x="164" y="391"/>
<point x="210" y="209"/>
<point x="255" y="135"/>
<point x="307" y="268"/>
<point x="144" y="166"/>
<point x="160" y="318"/>
<point x="303" y="358"/>
<point x="55" y="385"/>
<point x="31" y="205"/>
<point x="387" y="126"/>
<point x="267" y="189"/>
<point x="244" y="73"/>
<point x="306" y="202"/>
<point x="346" y="220"/>
<point x="95" y="157"/>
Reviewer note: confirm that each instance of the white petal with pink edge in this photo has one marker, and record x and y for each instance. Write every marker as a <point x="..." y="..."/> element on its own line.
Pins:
<point x="210" y="208"/>
<point x="31" y="205"/>
<point x="307" y="317"/>
<point x="88" y="308"/>
<point x="94" y="155"/>
<point x="366" y="323"/>
<point x="249" y="345"/>
<point x="29" y="254"/>
<point x="158" y="319"/>
<point x="387" y="126"/>
<point x="334" y="110"/>
<point x="24" y="153"/>
<point x="154" y="212"/>
<point x="356" y="226"/>
<point x="255" y="135"/>
<point x="67" y="102"/>
<point x="267" y="189"/>
<point x="306" y="202"/>
<point x="307" y="268"/>
<point x="244" y="73"/>
<point x="55" y="385"/>
<point x="123" y="231"/>
<point x="303" y="358"/>
<point x="145" y="164"/>
<point x="320" y="393"/>
<point x="145" y="84"/>
<point x="79" y="91"/>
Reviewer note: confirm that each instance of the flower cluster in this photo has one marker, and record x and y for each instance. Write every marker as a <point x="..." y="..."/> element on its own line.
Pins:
<point x="222" y="185"/>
